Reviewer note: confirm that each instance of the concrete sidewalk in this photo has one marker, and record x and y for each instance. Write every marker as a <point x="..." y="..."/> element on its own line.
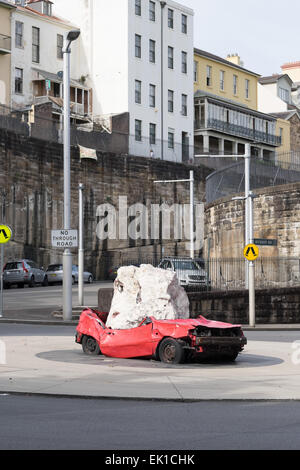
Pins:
<point x="55" y="365"/>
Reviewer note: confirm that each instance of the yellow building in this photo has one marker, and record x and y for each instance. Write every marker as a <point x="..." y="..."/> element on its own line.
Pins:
<point x="226" y="115"/>
<point x="6" y="9"/>
<point x="225" y="78"/>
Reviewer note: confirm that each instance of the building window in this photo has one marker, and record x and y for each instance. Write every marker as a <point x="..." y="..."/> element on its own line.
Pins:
<point x="60" y="44"/>
<point x="19" y="81"/>
<point x="152" y="51"/>
<point x="138" y="91"/>
<point x="171" y="57"/>
<point x="184" y="105"/>
<point x="152" y="13"/>
<point x="222" y="80"/>
<point x="47" y="8"/>
<point x="247" y="88"/>
<point x="208" y="76"/>
<point x="152" y="133"/>
<point x="170" y="18"/>
<point x="170" y="101"/>
<point x="171" y="139"/>
<point x="281" y="135"/>
<point x="138" y="46"/>
<point x="138" y="130"/>
<point x="138" y="7"/>
<point x="19" y="34"/>
<point x="35" y="44"/>
<point x="184" y="24"/>
<point x="183" y="62"/>
<point x="284" y="95"/>
<point x="152" y="93"/>
<point x="235" y="84"/>
<point x="195" y="71"/>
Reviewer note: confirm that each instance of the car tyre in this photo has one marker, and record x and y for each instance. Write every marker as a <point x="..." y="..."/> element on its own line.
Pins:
<point x="90" y="280"/>
<point x="6" y="285"/>
<point x="73" y="280"/>
<point x="45" y="282"/>
<point x="21" y="285"/>
<point x="32" y="282"/>
<point x="171" y="351"/>
<point x="90" y="346"/>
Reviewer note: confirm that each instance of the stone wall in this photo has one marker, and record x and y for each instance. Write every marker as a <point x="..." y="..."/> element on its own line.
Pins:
<point x="272" y="306"/>
<point x="276" y="216"/>
<point x="31" y="176"/>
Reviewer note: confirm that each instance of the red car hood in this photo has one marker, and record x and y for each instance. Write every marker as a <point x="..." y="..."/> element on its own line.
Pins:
<point x="178" y="328"/>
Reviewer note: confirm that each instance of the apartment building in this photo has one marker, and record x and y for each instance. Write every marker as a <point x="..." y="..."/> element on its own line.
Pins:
<point x="139" y="60"/>
<point x="226" y="114"/>
<point x="37" y="61"/>
<point x="6" y="10"/>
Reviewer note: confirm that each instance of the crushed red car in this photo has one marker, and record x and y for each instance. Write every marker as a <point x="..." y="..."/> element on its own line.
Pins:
<point x="171" y="341"/>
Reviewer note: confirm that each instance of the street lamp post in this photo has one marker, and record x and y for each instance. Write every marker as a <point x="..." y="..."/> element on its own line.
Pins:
<point x="81" y="248"/>
<point x="67" y="256"/>
<point x="191" y="181"/>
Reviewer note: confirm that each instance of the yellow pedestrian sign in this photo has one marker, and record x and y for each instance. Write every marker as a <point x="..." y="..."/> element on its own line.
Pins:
<point x="251" y="252"/>
<point x="5" y="234"/>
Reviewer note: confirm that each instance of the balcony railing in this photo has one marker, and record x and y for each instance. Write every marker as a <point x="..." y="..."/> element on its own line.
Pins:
<point x="239" y="131"/>
<point x="5" y="44"/>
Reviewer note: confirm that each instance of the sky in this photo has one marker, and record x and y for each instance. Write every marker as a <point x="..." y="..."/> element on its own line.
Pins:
<point x="265" y="33"/>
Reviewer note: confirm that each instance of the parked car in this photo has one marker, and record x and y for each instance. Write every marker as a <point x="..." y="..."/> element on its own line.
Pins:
<point x="170" y="341"/>
<point x="23" y="272"/>
<point x="190" y="272"/>
<point x="55" y="274"/>
<point x="113" y="272"/>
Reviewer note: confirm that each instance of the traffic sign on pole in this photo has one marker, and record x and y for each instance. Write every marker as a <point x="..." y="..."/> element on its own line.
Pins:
<point x="251" y="252"/>
<point x="5" y="234"/>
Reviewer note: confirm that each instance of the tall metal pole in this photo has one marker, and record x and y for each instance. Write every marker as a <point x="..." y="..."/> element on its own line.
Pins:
<point x="67" y="256"/>
<point x="247" y="189"/>
<point x="192" y="248"/>
<point x="2" y="258"/>
<point x="251" y="267"/>
<point x="81" y="248"/>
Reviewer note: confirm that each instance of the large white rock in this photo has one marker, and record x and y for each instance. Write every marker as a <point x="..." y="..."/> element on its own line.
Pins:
<point x="146" y="292"/>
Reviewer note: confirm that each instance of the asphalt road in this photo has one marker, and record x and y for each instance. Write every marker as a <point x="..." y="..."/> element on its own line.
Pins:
<point x="47" y="299"/>
<point x="42" y="423"/>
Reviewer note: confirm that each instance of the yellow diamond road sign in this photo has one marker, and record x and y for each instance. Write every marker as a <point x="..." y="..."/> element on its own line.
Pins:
<point x="5" y="234"/>
<point x="251" y="252"/>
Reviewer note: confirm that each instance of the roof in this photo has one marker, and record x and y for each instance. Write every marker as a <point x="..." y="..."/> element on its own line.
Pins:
<point x="286" y="115"/>
<point x="274" y="79"/>
<point x="55" y="78"/>
<point x="27" y="9"/>
<point x="7" y="4"/>
<point x="232" y="104"/>
<point x="216" y="58"/>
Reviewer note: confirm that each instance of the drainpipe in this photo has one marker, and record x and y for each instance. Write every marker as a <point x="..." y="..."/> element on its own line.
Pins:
<point x="162" y="4"/>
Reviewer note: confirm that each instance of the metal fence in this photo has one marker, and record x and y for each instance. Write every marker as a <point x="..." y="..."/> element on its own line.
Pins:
<point x="231" y="180"/>
<point x="227" y="274"/>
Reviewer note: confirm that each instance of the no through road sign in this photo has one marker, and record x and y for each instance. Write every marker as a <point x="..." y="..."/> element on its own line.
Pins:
<point x="64" y="238"/>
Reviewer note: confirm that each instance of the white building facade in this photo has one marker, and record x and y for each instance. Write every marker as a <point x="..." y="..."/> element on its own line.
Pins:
<point x="37" y="59"/>
<point x="138" y="59"/>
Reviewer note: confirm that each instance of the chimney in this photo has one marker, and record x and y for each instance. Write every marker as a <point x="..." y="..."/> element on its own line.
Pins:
<point x="235" y="59"/>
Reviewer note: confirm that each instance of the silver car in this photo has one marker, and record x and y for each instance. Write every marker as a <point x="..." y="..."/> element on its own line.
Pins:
<point x="55" y="274"/>
<point x="190" y="273"/>
<point x="23" y="272"/>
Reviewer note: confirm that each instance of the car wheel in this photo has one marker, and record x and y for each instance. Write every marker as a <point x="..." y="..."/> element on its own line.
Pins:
<point x="90" y="279"/>
<point x="171" y="351"/>
<point x="90" y="346"/>
<point x="73" y="280"/>
<point x="21" y="285"/>
<point x="32" y="282"/>
<point x="6" y="285"/>
<point x="45" y="281"/>
<point x="231" y="357"/>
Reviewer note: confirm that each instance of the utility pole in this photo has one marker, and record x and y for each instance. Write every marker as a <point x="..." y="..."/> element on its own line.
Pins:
<point x="67" y="256"/>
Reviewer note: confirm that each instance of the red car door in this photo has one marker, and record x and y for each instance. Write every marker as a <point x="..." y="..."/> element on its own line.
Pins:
<point x="136" y="342"/>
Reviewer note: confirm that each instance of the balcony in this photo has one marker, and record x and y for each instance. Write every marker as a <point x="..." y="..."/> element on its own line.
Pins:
<point x="5" y="44"/>
<point x="239" y="131"/>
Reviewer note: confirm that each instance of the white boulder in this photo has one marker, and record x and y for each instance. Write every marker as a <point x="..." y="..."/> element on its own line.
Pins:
<point x="146" y="292"/>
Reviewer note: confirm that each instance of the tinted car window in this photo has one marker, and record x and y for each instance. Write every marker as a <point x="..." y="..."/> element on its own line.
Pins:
<point x="13" y="266"/>
<point x="55" y="267"/>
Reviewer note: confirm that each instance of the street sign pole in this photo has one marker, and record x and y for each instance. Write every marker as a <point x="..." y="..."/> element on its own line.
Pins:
<point x="5" y="236"/>
<point x="251" y="267"/>
<point x="1" y="267"/>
